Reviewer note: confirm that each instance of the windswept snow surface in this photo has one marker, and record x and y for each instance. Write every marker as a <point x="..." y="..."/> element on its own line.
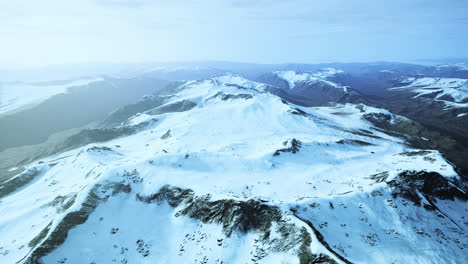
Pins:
<point x="452" y="91"/>
<point x="227" y="147"/>
<point x="14" y="96"/>
<point x="293" y="78"/>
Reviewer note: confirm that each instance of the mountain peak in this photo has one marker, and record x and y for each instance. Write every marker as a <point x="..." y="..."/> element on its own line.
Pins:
<point x="238" y="80"/>
<point x="451" y="91"/>
<point x="322" y="76"/>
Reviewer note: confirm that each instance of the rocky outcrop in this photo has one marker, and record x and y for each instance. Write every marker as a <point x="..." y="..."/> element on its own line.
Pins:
<point x="180" y="106"/>
<point x="413" y="185"/>
<point x="46" y="241"/>
<point x="354" y="142"/>
<point x="19" y="181"/>
<point x="250" y="216"/>
<point x="294" y="146"/>
<point x="421" y="137"/>
<point x="226" y="97"/>
<point x="233" y="215"/>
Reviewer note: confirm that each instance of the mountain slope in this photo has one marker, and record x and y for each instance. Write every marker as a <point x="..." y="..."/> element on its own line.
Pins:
<point x="241" y="177"/>
<point x="453" y="92"/>
<point x="427" y="95"/>
<point x="311" y="88"/>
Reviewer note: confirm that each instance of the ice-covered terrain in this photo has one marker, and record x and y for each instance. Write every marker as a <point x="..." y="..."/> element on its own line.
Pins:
<point x="17" y="95"/>
<point x="452" y="91"/>
<point x="241" y="177"/>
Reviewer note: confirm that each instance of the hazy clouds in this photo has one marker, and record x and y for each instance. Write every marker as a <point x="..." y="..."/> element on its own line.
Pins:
<point x="53" y="31"/>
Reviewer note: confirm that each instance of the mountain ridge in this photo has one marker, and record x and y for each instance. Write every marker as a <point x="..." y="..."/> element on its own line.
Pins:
<point x="223" y="187"/>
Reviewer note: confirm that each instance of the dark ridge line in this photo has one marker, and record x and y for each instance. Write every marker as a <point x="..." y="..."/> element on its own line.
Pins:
<point x="430" y="201"/>
<point x="457" y="169"/>
<point x="322" y="240"/>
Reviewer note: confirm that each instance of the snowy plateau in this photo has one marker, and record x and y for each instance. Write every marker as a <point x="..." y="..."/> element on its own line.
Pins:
<point x="239" y="175"/>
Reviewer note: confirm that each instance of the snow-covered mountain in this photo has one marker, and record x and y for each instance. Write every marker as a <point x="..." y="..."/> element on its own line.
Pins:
<point x="452" y="91"/>
<point x="429" y="95"/>
<point x="239" y="175"/>
<point x="455" y="70"/>
<point x="295" y="79"/>
<point x="311" y="88"/>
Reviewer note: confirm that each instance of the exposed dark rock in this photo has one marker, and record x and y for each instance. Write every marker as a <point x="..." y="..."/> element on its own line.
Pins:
<point x="98" y="149"/>
<point x="239" y="86"/>
<point x="174" y="196"/>
<point x="226" y="97"/>
<point x="410" y="184"/>
<point x="379" y="177"/>
<point x="422" y="137"/>
<point x="240" y="216"/>
<point x="166" y="135"/>
<point x="354" y="142"/>
<point x="311" y="93"/>
<point x="97" y="195"/>
<point x="416" y="153"/>
<point x="294" y="148"/>
<point x="323" y="242"/>
<point x="180" y="106"/>
<point x="297" y="111"/>
<point x="305" y="254"/>
<point x="363" y="132"/>
<point x="37" y="239"/>
<point x="378" y="119"/>
<point x="243" y="217"/>
<point x="18" y="182"/>
<point x="63" y="203"/>
<point x="133" y="176"/>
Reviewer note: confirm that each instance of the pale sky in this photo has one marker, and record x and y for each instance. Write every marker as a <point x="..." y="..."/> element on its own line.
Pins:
<point x="36" y="33"/>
